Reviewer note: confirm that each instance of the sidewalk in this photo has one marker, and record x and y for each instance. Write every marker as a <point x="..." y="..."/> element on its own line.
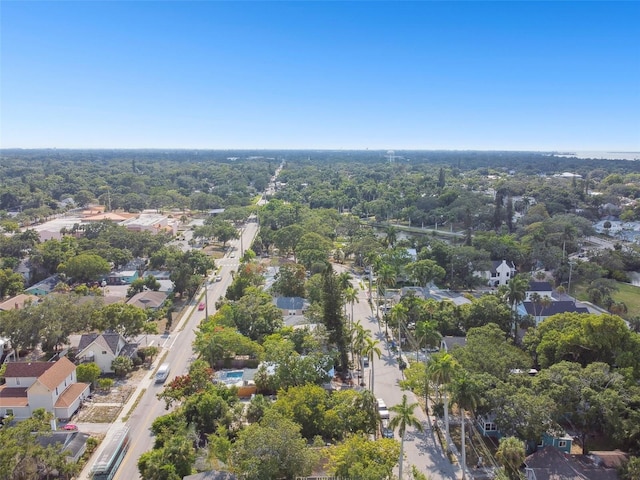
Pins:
<point x="126" y="410"/>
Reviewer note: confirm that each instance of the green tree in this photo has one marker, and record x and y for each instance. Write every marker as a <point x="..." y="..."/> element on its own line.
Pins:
<point x="442" y="369"/>
<point x="631" y="470"/>
<point x="85" y="267"/>
<point x="465" y="391"/>
<point x="255" y="315"/>
<point x="511" y="454"/>
<point x="10" y="283"/>
<point x="370" y="350"/>
<point x="88" y="372"/>
<point x="351" y="297"/>
<point x="286" y="239"/>
<point x="404" y="419"/>
<point x="359" y="457"/>
<point x="171" y="462"/>
<point x="272" y="448"/>
<point x="122" y="365"/>
<point x="128" y="320"/>
<point x="332" y="316"/>
<point x="488" y="351"/>
<point x="290" y="280"/>
<point x="306" y="405"/>
<point x="585" y="338"/>
<point x="22" y="457"/>
<point x="425" y="271"/>
<point x="515" y="292"/>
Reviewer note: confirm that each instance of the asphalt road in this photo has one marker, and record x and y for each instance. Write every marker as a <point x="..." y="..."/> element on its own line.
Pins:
<point x="421" y="449"/>
<point x="179" y="354"/>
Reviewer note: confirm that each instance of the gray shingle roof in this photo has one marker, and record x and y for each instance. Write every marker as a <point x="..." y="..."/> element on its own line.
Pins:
<point x="554" y="308"/>
<point x="540" y="287"/>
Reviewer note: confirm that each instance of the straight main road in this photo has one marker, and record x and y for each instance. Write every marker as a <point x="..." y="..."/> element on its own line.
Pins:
<point x="179" y="354"/>
<point x="421" y="449"/>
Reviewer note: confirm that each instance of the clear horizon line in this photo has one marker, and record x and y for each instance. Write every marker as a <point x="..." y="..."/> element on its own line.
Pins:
<point x="381" y="149"/>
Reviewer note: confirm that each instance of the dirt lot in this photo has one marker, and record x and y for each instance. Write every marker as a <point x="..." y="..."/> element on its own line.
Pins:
<point x="105" y="407"/>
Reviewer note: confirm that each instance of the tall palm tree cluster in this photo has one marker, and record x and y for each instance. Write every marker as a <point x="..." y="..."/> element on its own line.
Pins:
<point x="452" y="380"/>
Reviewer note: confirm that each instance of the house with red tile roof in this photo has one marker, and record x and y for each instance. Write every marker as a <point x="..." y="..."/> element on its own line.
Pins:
<point x="49" y="385"/>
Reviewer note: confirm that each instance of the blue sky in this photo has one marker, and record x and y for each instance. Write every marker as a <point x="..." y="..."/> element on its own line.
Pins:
<point x="337" y="75"/>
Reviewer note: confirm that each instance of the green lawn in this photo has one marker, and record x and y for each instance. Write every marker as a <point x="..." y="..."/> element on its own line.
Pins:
<point x="629" y="294"/>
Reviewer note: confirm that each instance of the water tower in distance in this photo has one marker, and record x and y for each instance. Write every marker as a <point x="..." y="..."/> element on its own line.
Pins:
<point x="391" y="155"/>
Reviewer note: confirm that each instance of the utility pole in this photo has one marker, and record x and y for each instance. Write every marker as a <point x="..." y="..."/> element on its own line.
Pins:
<point x="569" y="284"/>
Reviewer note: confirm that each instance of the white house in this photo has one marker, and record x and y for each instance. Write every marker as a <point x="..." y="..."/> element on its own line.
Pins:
<point x="103" y="349"/>
<point x="500" y="274"/>
<point x="543" y="289"/>
<point x="49" y="385"/>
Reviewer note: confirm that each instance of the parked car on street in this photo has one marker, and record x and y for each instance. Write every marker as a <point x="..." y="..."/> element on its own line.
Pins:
<point x="201" y="306"/>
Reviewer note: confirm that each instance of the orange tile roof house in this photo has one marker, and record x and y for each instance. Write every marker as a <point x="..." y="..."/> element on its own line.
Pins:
<point x="49" y="385"/>
<point x="19" y="301"/>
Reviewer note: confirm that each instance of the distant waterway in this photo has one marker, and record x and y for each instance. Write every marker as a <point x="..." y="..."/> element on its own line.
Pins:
<point x="635" y="278"/>
<point x="602" y="155"/>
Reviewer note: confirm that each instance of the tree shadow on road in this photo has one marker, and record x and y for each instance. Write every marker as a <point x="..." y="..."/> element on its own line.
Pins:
<point x="433" y="460"/>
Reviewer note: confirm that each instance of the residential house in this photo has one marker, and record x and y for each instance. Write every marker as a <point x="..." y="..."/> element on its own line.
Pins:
<point x="74" y="444"/>
<point x="45" y="287"/>
<point x="488" y="428"/>
<point x="487" y="425"/>
<point x="18" y="302"/>
<point x="550" y="463"/>
<point x="49" y="385"/>
<point x="124" y="277"/>
<point x="104" y="348"/>
<point x="543" y="289"/>
<point x="448" y="343"/>
<point x="162" y="277"/>
<point x="291" y="305"/>
<point x="148" y="299"/>
<point x="540" y="312"/>
<point x="500" y="274"/>
<point x="562" y="442"/>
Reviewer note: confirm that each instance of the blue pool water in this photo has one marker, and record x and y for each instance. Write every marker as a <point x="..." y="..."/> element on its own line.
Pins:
<point x="235" y="374"/>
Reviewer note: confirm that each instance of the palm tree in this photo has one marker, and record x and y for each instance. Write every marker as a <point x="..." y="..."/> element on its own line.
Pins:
<point x="404" y="418"/>
<point x="392" y="236"/>
<point x="399" y="315"/>
<point x="386" y="278"/>
<point x="358" y="335"/>
<point x="351" y="296"/>
<point x="535" y="299"/>
<point x="465" y="391"/>
<point x="370" y="349"/>
<point x="441" y="369"/>
<point x="511" y="453"/>
<point x="427" y="331"/>
<point x="515" y="293"/>
<point x="344" y="280"/>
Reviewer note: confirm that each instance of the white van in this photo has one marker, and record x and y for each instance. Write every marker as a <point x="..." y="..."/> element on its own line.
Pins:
<point x="382" y="409"/>
<point x="162" y="373"/>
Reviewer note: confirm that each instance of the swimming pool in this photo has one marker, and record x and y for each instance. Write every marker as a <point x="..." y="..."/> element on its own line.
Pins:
<point x="233" y="375"/>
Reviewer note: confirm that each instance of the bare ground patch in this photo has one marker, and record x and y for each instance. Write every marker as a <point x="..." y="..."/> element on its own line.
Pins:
<point x="106" y="406"/>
